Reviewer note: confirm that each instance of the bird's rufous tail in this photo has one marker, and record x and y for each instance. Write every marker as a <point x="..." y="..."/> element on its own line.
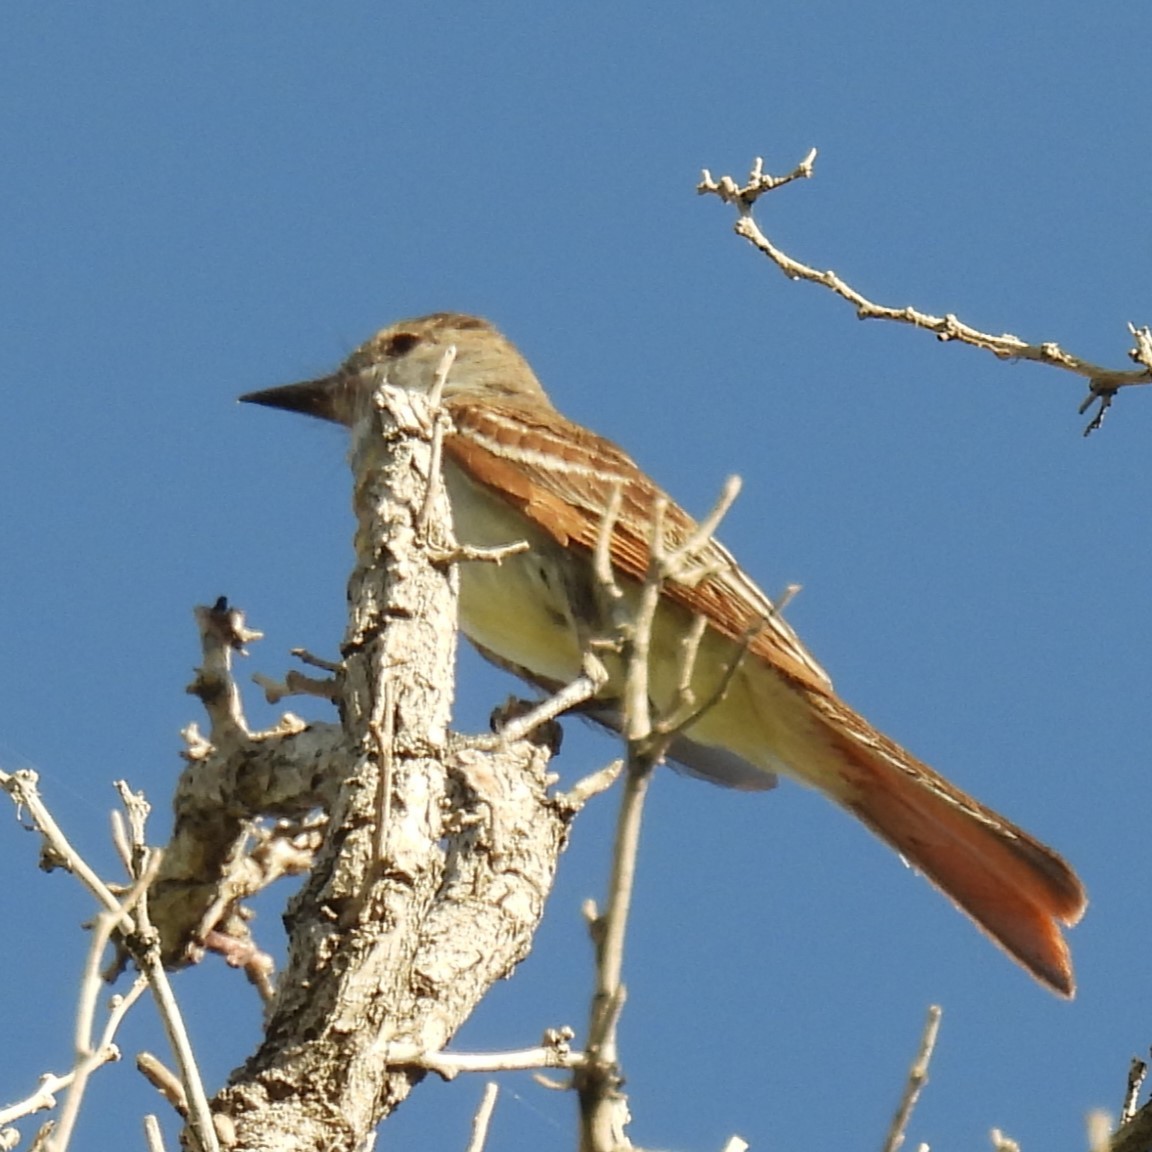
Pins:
<point x="1016" y="889"/>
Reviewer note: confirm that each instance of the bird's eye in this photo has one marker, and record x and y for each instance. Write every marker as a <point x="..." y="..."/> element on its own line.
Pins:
<point x="402" y="343"/>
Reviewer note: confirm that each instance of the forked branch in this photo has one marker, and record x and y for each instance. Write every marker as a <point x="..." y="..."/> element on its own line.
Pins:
<point x="598" y="1079"/>
<point x="1104" y="383"/>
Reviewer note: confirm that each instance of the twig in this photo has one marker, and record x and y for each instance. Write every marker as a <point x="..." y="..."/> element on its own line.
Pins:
<point x="165" y="1081"/>
<point x="706" y="529"/>
<point x="144" y="945"/>
<point x="103" y="1051"/>
<point x="152" y="1134"/>
<point x="555" y="1052"/>
<point x="435" y="480"/>
<point x="90" y="1056"/>
<point x="120" y="841"/>
<point x="306" y="657"/>
<point x="22" y="787"/>
<point x="200" y="1116"/>
<point x="917" y="1078"/>
<point x="610" y="594"/>
<point x="1137" y="1071"/>
<point x="1002" y="1142"/>
<point x="1103" y="383"/>
<point x="41" y="1100"/>
<point x="591" y="785"/>
<point x="759" y="182"/>
<point x="603" y="1106"/>
<point x="582" y="689"/>
<point x="614" y="924"/>
<point x="685" y="711"/>
<point x="483" y="1117"/>
<point x="461" y="553"/>
<point x="116" y="915"/>
<point x="222" y="632"/>
<point x="680" y="564"/>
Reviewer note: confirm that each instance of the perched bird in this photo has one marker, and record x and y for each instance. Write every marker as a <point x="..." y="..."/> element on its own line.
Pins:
<point x="515" y="469"/>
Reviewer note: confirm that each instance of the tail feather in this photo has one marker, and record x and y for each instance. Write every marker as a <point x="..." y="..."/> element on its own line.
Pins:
<point x="1015" y="888"/>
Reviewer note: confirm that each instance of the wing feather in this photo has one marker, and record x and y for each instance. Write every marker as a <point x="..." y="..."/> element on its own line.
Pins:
<point x="561" y="477"/>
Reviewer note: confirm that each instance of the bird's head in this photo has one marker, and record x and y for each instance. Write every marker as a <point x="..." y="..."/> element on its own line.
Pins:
<point x="408" y="355"/>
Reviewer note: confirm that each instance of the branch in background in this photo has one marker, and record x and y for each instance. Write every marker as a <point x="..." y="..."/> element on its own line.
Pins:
<point x="483" y="1117"/>
<point x="917" y="1078"/>
<point x="125" y="918"/>
<point x="1103" y="383"/>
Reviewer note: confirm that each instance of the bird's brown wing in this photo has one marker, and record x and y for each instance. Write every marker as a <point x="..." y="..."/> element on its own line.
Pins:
<point x="561" y="477"/>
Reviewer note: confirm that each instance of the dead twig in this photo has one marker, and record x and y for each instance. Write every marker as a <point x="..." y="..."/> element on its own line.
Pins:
<point x="917" y="1078"/>
<point x="1103" y="383"/>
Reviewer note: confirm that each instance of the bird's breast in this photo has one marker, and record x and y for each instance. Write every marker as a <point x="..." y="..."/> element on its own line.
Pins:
<point x="519" y="608"/>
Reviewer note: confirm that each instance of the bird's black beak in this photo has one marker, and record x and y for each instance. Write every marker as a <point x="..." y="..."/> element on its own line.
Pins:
<point x="317" y="398"/>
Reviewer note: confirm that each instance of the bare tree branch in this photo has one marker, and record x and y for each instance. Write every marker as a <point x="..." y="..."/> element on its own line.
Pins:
<point x="387" y="956"/>
<point x="1103" y="383"/>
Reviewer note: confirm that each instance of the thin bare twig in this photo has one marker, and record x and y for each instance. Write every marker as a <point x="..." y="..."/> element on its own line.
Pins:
<point x="435" y="480"/>
<point x="118" y="914"/>
<point x="483" y="1117"/>
<point x="609" y="592"/>
<point x="310" y="658"/>
<point x="165" y="1081"/>
<point x="555" y="1052"/>
<point x="152" y="1134"/>
<point x="591" y="785"/>
<point x="103" y="1051"/>
<point x="143" y="942"/>
<point x="200" y="1116"/>
<point x="917" y="1078"/>
<point x="41" y="1100"/>
<point x="89" y="1055"/>
<point x="22" y="787"/>
<point x="1103" y="383"/>
<point x="468" y="553"/>
<point x="759" y="182"/>
<point x="581" y="690"/>
<point x="604" y="1111"/>
<point x="686" y="711"/>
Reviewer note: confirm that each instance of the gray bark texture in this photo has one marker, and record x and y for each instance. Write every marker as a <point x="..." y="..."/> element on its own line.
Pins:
<point x="438" y="857"/>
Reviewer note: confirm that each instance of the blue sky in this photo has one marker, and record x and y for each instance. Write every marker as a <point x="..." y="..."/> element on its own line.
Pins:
<point x="209" y="200"/>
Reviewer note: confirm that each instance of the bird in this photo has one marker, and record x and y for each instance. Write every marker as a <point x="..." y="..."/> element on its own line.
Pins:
<point x="515" y="469"/>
